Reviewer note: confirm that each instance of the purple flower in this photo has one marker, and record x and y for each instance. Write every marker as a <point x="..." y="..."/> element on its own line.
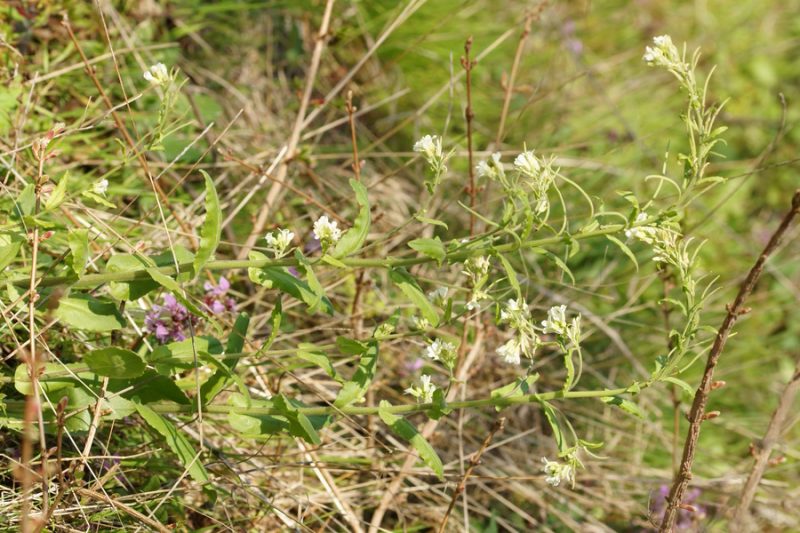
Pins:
<point x="312" y="246"/>
<point x="216" y="298"/>
<point x="293" y="271"/>
<point x="687" y="520"/>
<point x="169" y="322"/>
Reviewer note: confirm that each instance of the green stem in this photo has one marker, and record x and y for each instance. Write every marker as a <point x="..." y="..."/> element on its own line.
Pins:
<point x="189" y="409"/>
<point x="93" y="280"/>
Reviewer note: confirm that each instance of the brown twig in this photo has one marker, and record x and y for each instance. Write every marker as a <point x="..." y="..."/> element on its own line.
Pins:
<point x="763" y="449"/>
<point x="468" y="64"/>
<point x="697" y="413"/>
<point x="474" y="462"/>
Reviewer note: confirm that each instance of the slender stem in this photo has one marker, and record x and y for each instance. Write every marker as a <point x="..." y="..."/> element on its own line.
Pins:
<point x="93" y="280"/>
<point x="468" y="65"/>
<point x="697" y="414"/>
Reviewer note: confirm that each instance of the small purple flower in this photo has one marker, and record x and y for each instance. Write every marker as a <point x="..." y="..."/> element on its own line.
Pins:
<point x="216" y="298"/>
<point x="687" y="520"/>
<point x="293" y="271"/>
<point x="169" y="322"/>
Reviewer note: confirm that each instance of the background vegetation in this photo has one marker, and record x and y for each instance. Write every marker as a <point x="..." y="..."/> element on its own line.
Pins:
<point x="581" y="92"/>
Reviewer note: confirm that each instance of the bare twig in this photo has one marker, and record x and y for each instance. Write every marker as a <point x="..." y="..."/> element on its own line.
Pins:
<point x="763" y="449"/>
<point x="526" y="30"/>
<point x="474" y="462"/>
<point x="697" y="413"/>
<point x="468" y="64"/>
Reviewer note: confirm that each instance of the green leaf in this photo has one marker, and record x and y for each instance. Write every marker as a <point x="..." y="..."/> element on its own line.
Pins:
<point x="52" y="377"/>
<point x="299" y="424"/>
<point x="515" y="389"/>
<point x="211" y="229"/>
<point x="313" y="354"/>
<point x="23" y="205"/>
<point x="175" y="289"/>
<point x="680" y="383"/>
<point x="511" y="275"/>
<point x="78" y="241"/>
<point x="432" y="248"/>
<point x="96" y="198"/>
<point x="409" y="287"/>
<point x="150" y="387"/>
<point x="439" y="406"/>
<point x="312" y="281"/>
<point x="626" y="405"/>
<point x="426" y="220"/>
<point x="350" y="346"/>
<point x="559" y="263"/>
<point x="354" y="238"/>
<point x="115" y="362"/>
<point x="84" y="312"/>
<point x="180" y="355"/>
<point x="355" y="389"/>
<point x="56" y="197"/>
<point x="176" y="442"/>
<point x="403" y="428"/>
<point x="10" y="244"/>
<point x="133" y="290"/>
<point x="219" y="380"/>
<point x="624" y="247"/>
<point x="552" y="419"/>
<point x="281" y="279"/>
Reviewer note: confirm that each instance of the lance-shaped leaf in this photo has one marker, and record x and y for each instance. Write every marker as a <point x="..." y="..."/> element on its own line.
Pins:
<point x="212" y="226"/>
<point x="432" y="248"/>
<point x="176" y="442"/>
<point x="353" y="239"/>
<point x="219" y="380"/>
<point x="409" y="286"/>
<point x="356" y="388"/>
<point x="626" y="405"/>
<point x="299" y="424"/>
<point x="279" y="278"/>
<point x="133" y="290"/>
<point x="78" y="241"/>
<point x="403" y="428"/>
<point x="552" y="419"/>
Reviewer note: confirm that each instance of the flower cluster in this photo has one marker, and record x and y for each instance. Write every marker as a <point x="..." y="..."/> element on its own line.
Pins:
<point x="423" y="393"/>
<point x="491" y="168"/>
<point x="157" y="75"/>
<point x="327" y="232"/>
<point x="278" y="242"/>
<point x="170" y="321"/>
<point x="443" y="351"/>
<point x="568" y="333"/>
<point x="477" y="270"/>
<point x="668" y="245"/>
<point x="663" y="53"/>
<point x="539" y="174"/>
<point x="556" y="472"/>
<point x="430" y="146"/>
<point x="216" y="297"/>
<point x="100" y="187"/>
<point x="524" y="341"/>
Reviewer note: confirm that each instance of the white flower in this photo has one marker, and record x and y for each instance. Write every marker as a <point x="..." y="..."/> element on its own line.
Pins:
<point x="420" y="323"/>
<point x="278" y="242"/>
<point x="510" y="351"/>
<point x="663" y="54"/>
<point x="574" y="331"/>
<point x="100" y="187"/>
<point x="528" y="164"/>
<point x="515" y="312"/>
<point x="157" y="74"/>
<point x="429" y="146"/>
<point x="540" y="174"/>
<point x="438" y="296"/>
<point x="440" y="350"/>
<point x="556" y="320"/>
<point x="491" y="168"/>
<point x="643" y="233"/>
<point x="423" y="393"/>
<point x="477" y="267"/>
<point x="557" y="472"/>
<point x="327" y="232"/>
